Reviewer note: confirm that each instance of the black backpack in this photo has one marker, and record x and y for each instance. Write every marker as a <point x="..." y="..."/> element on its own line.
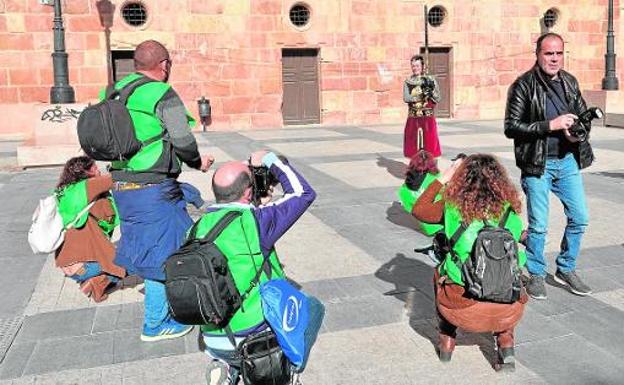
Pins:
<point x="199" y="285"/>
<point x="106" y="131"/>
<point x="491" y="273"/>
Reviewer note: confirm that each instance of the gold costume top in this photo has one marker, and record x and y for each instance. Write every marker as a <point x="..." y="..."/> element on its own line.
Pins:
<point x="414" y="95"/>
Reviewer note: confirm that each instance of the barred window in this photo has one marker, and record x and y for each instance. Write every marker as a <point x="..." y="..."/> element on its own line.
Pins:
<point x="299" y="15"/>
<point x="134" y="13"/>
<point x="436" y="16"/>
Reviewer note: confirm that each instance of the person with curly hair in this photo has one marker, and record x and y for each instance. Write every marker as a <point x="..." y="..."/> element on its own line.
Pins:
<point x="87" y="253"/>
<point x="476" y="191"/>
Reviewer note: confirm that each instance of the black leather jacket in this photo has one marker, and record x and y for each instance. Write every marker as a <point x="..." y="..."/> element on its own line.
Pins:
<point x="526" y="123"/>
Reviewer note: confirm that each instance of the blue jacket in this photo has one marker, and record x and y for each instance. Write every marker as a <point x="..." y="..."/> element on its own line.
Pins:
<point x="154" y="222"/>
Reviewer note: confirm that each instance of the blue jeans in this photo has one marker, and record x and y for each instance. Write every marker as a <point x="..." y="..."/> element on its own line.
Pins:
<point x="156" y="304"/>
<point x="563" y="178"/>
<point x="92" y="269"/>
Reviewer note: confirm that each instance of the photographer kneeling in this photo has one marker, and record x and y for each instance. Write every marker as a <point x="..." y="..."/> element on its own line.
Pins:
<point x="477" y="284"/>
<point x="246" y="242"/>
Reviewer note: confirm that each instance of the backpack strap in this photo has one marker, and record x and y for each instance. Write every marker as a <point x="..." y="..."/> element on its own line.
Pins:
<point x="217" y="229"/>
<point x="126" y="91"/>
<point x="504" y="218"/>
<point x="124" y="94"/>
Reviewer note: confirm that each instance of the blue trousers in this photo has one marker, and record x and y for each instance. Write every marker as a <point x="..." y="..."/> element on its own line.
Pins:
<point x="563" y="178"/>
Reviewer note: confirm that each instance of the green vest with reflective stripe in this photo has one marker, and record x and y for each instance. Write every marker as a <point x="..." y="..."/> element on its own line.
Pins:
<point x="463" y="246"/>
<point x="240" y="243"/>
<point x="142" y="107"/>
<point x="71" y="200"/>
<point x="408" y="198"/>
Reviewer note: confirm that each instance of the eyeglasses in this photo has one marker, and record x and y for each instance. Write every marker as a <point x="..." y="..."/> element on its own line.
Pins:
<point x="169" y="62"/>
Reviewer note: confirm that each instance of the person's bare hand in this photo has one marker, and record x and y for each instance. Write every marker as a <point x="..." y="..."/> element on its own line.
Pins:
<point x="449" y="172"/>
<point x="256" y="157"/>
<point x="562" y="122"/>
<point x="207" y="161"/>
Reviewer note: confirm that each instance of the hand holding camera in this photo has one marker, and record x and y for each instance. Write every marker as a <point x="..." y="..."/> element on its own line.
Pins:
<point x="576" y="128"/>
<point x="263" y="180"/>
<point x="580" y="128"/>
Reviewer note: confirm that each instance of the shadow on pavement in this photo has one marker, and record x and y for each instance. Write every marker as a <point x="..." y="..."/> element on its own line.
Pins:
<point x="413" y="280"/>
<point x="396" y="214"/>
<point x="394" y="168"/>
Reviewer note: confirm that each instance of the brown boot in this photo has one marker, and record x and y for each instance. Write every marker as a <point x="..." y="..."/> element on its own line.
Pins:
<point x="95" y="288"/>
<point x="446" y="347"/>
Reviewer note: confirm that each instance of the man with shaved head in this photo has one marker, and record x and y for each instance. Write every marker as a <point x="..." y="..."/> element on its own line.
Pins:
<point x="247" y="242"/>
<point x="152" y="204"/>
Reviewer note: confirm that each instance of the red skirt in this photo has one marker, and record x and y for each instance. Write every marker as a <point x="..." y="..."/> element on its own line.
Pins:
<point x="430" y="139"/>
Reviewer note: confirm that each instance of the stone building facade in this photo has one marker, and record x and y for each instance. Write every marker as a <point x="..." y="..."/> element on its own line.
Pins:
<point x="268" y="63"/>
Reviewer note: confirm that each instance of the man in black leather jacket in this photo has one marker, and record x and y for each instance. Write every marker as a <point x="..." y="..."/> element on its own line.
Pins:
<point x="542" y="105"/>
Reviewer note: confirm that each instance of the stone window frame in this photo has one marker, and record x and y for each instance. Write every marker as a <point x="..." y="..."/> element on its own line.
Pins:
<point x="148" y="11"/>
<point x="310" y="10"/>
<point x="557" y="21"/>
<point x="445" y="15"/>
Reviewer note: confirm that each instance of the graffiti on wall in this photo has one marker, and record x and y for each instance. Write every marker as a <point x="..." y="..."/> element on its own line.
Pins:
<point x="59" y="115"/>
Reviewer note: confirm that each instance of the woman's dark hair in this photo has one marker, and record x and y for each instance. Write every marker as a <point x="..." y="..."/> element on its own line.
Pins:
<point x="422" y="162"/>
<point x="75" y="170"/>
<point x="418" y="57"/>
<point x="480" y="187"/>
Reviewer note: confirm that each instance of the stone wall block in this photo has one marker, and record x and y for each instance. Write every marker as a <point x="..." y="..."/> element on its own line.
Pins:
<point x="16" y="41"/>
<point x="266" y="7"/>
<point x="239" y="105"/>
<point x="23" y="76"/>
<point x="34" y="93"/>
<point x="78" y="7"/>
<point x="8" y="94"/>
<point x="270" y="86"/>
<point x="267" y="120"/>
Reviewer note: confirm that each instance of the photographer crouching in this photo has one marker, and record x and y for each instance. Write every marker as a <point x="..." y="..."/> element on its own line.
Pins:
<point x="248" y="243"/>
<point x="549" y="122"/>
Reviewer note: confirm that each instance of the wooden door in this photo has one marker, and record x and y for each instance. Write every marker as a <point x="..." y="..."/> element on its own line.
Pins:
<point x="300" y="79"/>
<point x="440" y="66"/>
<point x="123" y="64"/>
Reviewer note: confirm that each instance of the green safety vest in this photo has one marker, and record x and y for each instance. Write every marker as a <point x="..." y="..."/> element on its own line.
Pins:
<point x="463" y="246"/>
<point x="142" y="107"/>
<point x="73" y="198"/>
<point x="240" y="243"/>
<point x="408" y="198"/>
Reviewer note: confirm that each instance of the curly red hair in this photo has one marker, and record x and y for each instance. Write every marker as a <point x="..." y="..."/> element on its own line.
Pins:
<point x="480" y="187"/>
<point x="423" y="162"/>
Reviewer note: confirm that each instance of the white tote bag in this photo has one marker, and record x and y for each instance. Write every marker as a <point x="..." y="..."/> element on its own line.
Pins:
<point x="47" y="233"/>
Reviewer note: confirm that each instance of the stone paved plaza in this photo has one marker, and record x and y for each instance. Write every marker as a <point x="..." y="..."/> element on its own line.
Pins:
<point x="354" y="250"/>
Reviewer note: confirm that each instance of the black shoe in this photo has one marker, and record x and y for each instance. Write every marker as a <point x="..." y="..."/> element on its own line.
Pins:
<point x="536" y="287"/>
<point x="573" y="283"/>
<point x="506" y="360"/>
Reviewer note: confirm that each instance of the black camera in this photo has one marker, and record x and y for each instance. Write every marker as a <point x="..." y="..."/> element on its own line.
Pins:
<point x="262" y="181"/>
<point x="580" y="128"/>
<point x="427" y="85"/>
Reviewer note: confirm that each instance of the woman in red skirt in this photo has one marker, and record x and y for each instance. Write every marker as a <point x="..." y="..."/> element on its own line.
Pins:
<point x="421" y="93"/>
